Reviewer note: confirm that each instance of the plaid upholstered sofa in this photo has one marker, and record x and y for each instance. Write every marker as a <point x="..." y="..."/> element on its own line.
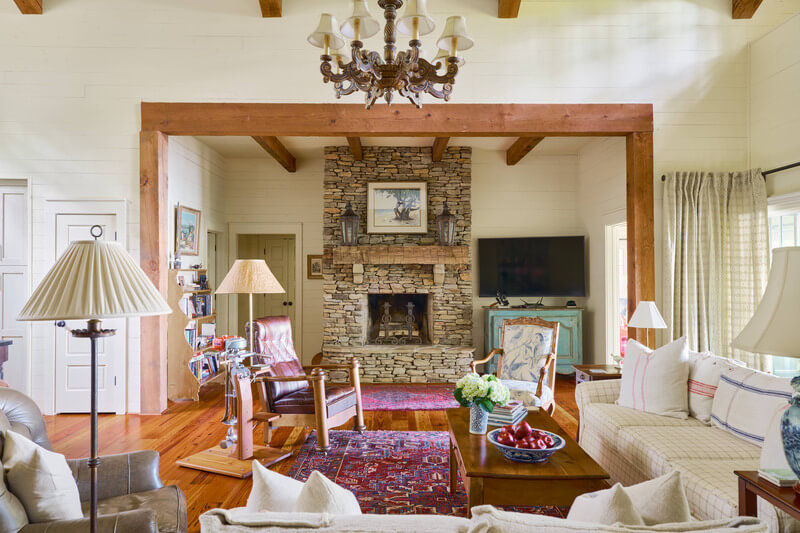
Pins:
<point x="634" y="446"/>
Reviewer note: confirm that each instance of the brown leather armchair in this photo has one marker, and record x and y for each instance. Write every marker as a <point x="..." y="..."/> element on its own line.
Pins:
<point x="132" y="498"/>
<point x="285" y="388"/>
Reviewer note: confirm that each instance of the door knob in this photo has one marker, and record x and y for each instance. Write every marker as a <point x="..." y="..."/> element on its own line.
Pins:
<point x="290" y="303"/>
<point x="284" y="303"/>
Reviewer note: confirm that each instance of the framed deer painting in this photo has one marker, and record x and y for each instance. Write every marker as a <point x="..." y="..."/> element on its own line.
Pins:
<point x="397" y="207"/>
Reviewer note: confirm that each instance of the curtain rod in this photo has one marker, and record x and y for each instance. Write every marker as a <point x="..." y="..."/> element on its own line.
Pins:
<point x="765" y="173"/>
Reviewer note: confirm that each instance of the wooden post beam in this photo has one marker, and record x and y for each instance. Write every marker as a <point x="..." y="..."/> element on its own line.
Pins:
<point x="640" y="213"/>
<point x="355" y="148"/>
<point x="271" y="8"/>
<point x="745" y="9"/>
<point x="508" y="9"/>
<point x="439" y="146"/>
<point x="276" y="149"/>
<point x="154" y="244"/>
<point x="521" y="148"/>
<point x="29" y="7"/>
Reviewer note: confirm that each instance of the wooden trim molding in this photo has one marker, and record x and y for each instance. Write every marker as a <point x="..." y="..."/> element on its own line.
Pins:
<point x="355" y="148"/>
<point x="521" y="148"/>
<point x="409" y="254"/>
<point x="508" y="9"/>
<point x="154" y="244"/>
<point x="401" y="120"/>
<point x="271" y="8"/>
<point x="278" y="151"/>
<point x="29" y="7"/>
<point x="744" y="9"/>
<point x="439" y="146"/>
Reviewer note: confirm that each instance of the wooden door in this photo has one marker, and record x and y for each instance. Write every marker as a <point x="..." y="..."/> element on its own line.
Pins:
<point x="72" y="356"/>
<point x="14" y="283"/>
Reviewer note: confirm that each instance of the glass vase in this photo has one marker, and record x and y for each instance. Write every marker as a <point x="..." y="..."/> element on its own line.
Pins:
<point x="478" y="420"/>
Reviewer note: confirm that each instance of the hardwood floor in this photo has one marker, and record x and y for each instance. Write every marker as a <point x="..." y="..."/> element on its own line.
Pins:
<point x="189" y="427"/>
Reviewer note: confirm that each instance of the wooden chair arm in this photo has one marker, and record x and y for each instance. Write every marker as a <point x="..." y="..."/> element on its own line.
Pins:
<point x="474" y="364"/>
<point x="317" y="359"/>
<point x="551" y="358"/>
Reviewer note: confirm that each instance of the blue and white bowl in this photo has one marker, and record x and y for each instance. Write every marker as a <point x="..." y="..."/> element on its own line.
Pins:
<point x="523" y="455"/>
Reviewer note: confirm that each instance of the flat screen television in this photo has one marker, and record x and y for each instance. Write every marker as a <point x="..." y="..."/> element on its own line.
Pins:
<point x="532" y="266"/>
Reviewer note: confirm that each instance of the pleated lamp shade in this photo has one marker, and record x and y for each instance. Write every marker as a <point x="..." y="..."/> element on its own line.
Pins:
<point x="94" y="280"/>
<point x="250" y="276"/>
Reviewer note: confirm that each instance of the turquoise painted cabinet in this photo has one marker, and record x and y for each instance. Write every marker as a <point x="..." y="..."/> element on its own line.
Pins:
<point x="570" y="333"/>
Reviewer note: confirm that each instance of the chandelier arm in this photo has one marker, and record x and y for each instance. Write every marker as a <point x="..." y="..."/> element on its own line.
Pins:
<point x="341" y="89"/>
<point x="329" y="75"/>
<point x="369" y="62"/>
<point x="426" y="71"/>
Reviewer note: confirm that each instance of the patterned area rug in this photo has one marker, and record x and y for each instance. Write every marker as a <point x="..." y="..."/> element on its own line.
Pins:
<point x="393" y="472"/>
<point x="429" y="397"/>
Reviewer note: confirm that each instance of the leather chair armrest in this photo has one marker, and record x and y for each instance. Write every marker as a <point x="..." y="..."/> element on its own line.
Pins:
<point x="137" y="521"/>
<point x="302" y="377"/>
<point x="117" y="475"/>
<point x="317" y="359"/>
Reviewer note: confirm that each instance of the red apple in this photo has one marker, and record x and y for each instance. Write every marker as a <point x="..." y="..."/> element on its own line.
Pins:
<point x="505" y="438"/>
<point x="549" y="441"/>
<point x="541" y="444"/>
<point x="522" y="445"/>
<point x="523" y="430"/>
<point x="509" y="429"/>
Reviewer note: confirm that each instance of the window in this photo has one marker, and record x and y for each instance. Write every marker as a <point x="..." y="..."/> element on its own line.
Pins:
<point x="784" y="230"/>
<point x="616" y="288"/>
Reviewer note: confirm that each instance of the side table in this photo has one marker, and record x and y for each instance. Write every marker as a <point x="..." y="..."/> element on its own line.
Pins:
<point x="752" y="487"/>
<point x="596" y="372"/>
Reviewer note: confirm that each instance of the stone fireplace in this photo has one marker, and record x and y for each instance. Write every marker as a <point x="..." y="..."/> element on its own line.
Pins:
<point x="368" y="288"/>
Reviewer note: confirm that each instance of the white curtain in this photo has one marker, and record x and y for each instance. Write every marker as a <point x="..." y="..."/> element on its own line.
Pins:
<point x="716" y="252"/>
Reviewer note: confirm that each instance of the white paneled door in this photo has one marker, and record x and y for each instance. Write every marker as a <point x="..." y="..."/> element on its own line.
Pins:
<point x="72" y="357"/>
<point x="14" y="282"/>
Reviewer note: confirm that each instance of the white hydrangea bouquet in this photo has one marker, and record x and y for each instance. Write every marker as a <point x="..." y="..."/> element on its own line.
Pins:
<point x="482" y="391"/>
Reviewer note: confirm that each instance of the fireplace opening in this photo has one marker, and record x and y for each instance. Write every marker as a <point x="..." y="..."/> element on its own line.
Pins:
<point x="398" y="319"/>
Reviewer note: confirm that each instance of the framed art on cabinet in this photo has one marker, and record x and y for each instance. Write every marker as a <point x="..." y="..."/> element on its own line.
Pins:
<point x="397" y="207"/>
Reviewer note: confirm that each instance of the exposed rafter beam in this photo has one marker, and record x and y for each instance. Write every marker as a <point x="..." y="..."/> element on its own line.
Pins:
<point x="355" y="148"/>
<point x="508" y="9"/>
<point x="439" y="146"/>
<point x="520" y="149"/>
<point x="29" y="7"/>
<point x="745" y="9"/>
<point x="271" y="8"/>
<point x="277" y="150"/>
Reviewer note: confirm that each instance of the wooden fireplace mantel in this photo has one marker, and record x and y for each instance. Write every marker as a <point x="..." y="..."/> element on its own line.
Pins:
<point x="381" y="254"/>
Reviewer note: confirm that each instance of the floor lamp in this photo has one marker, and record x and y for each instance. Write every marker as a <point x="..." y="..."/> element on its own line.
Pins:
<point x="94" y="280"/>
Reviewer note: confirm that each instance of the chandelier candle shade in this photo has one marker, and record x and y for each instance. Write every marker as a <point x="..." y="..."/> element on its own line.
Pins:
<point x="92" y="281"/>
<point x="406" y="72"/>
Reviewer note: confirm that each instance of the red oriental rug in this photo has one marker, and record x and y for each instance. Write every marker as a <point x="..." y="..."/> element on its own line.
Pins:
<point x="403" y="397"/>
<point x="393" y="472"/>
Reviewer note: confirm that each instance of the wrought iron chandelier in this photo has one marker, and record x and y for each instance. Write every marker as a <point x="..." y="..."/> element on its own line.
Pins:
<point x="406" y="72"/>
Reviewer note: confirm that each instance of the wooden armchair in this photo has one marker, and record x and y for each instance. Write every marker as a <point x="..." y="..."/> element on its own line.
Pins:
<point x="284" y="389"/>
<point x="527" y="361"/>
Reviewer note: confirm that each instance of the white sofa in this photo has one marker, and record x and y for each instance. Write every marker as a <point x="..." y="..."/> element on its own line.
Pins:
<point x="486" y="519"/>
<point x="634" y="446"/>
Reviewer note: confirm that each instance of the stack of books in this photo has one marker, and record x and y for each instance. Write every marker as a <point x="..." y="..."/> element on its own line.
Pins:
<point x="782" y="477"/>
<point x="511" y="413"/>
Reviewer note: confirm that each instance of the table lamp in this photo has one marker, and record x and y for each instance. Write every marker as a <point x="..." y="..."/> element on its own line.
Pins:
<point x="773" y="331"/>
<point x="94" y="280"/>
<point x="647" y="316"/>
<point x="250" y="276"/>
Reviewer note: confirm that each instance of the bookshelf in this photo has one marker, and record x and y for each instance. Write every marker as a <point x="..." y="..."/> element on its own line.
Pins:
<point x="191" y="361"/>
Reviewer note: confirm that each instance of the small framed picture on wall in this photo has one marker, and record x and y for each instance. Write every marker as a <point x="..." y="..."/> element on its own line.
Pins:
<point x="187" y="230"/>
<point x="314" y="267"/>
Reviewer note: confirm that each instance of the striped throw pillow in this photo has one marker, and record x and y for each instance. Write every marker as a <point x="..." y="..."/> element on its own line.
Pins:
<point x="746" y="400"/>
<point x="704" y="372"/>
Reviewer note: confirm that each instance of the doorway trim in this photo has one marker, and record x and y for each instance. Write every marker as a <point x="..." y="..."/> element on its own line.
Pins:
<point x="128" y="369"/>
<point x="272" y="228"/>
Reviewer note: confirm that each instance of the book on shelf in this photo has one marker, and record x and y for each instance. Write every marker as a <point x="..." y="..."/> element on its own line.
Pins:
<point x="782" y="477"/>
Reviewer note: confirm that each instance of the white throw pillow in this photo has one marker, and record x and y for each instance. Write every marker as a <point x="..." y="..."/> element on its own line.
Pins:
<point x="41" y="479"/>
<point x="772" y="453"/>
<point x="272" y="491"/>
<point x="321" y="495"/>
<point x="610" y="506"/>
<point x="704" y="372"/>
<point x="655" y="381"/>
<point x="661" y="500"/>
<point x="746" y="400"/>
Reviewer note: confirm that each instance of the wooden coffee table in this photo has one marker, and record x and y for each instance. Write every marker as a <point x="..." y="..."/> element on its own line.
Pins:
<point x="490" y="478"/>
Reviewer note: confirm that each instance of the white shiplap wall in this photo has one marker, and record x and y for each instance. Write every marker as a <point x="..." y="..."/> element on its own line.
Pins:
<point x="71" y="81"/>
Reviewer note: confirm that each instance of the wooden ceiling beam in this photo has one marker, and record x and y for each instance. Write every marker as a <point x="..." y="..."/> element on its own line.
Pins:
<point x="29" y="7"/>
<point x="745" y="9"/>
<point x="439" y="146"/>
<point x="508" y="9"/>
<point x="277" y="150"/>
<point x="271" y="8"/>
<point x="402" y="120"/>
<point x="355" y="148"/>
<point x="521" y="148"/>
